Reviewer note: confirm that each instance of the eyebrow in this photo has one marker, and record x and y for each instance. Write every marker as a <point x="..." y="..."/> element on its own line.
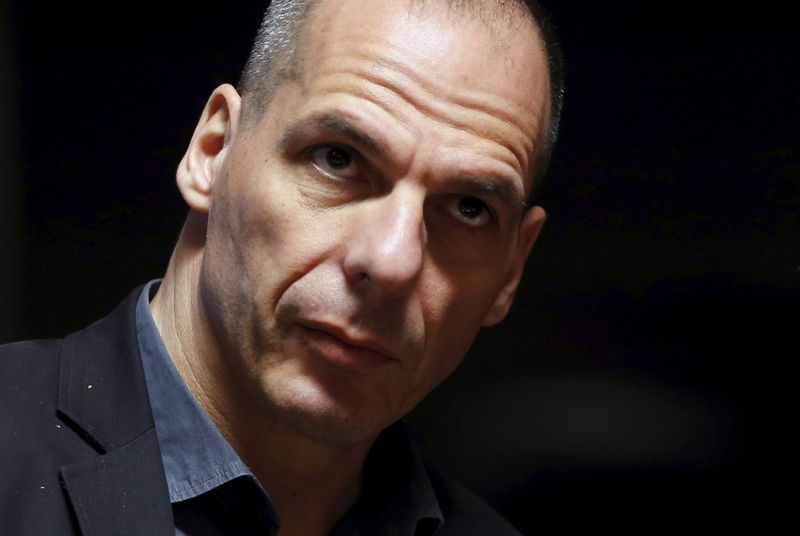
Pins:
<point x="331" y="122"/>
<point x="491" y="186"/>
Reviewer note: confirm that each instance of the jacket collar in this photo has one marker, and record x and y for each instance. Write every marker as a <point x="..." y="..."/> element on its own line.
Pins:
<point x="101" y="383"/>
<point x="102" y="394"/>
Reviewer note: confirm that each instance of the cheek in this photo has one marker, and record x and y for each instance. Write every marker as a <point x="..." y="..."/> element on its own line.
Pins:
<point x="454" y="309"/>
<point x="246" y="245"/>
<point x="254" y="226"/>
<point x="457" y="295"/>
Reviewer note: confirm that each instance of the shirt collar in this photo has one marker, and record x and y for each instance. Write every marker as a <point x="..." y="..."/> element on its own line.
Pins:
<point x="196" y="457"/>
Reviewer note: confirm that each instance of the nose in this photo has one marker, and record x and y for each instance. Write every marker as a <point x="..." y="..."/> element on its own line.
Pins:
<point x="385" y="249"/>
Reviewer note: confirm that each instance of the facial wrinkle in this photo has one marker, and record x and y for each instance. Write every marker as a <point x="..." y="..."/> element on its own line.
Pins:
<point x="440" y="105"/>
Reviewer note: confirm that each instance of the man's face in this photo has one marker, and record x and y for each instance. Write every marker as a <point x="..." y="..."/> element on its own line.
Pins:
<point x="362" y="231"/>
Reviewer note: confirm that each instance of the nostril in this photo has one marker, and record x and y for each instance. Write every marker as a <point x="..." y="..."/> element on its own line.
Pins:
<point x="364" y="276"/>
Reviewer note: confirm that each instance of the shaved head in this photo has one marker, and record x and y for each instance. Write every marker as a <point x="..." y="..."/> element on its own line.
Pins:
<point x="277" y="54"/>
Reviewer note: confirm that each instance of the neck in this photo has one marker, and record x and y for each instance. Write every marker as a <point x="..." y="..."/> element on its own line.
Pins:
<point x="312" y="483"/>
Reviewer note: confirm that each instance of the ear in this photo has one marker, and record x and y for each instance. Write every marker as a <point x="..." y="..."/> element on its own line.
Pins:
<point x="529" y="229"/>
<point x="213" y="135"/>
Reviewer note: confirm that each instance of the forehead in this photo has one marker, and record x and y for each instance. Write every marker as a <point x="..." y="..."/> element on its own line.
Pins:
<point x="493" y="50"/>
<point x="472" y="71"/>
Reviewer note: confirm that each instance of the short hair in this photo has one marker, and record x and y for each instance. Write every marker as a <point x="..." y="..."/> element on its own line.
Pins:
<point x="276" y="58"/>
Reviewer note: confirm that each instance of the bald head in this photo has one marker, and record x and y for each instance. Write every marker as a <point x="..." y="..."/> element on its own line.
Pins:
<point x="277" y="56"/>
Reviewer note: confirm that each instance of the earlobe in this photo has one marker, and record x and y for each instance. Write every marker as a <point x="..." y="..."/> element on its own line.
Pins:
<point x="529" y="229"/>
<point x="213" y="135"/>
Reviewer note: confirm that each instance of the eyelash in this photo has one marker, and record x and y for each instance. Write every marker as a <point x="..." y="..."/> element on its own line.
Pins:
<point x="322" y="167"/>
<point x="485" y="207"/>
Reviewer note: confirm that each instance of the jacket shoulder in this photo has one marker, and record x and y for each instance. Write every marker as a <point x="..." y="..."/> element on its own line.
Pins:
<point x="29" y="369"/>
<point x="22" y="350"/>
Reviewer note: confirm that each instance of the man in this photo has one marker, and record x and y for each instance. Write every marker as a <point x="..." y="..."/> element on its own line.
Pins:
<point x="357" y="213"/>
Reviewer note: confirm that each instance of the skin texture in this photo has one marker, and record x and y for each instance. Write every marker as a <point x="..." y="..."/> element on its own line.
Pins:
<point x="342" y="252"/>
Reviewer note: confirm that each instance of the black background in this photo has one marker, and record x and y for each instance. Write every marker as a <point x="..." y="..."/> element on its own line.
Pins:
<point x="643" y="379"/>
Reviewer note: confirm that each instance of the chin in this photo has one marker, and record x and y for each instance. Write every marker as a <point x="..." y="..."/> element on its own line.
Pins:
<point x="332" y="412"/>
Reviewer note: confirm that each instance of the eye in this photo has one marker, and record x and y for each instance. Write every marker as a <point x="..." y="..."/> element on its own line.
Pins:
<point x="335" y="160"/>
<point x="469" y="210"/>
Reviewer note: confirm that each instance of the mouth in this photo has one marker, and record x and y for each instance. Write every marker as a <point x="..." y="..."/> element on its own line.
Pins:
<point x="336" y="345"/>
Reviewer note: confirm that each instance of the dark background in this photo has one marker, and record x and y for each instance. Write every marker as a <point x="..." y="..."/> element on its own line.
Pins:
<point x="643" y="379"/>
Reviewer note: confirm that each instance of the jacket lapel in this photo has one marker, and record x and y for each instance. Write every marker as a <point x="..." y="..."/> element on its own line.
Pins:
<point x="119" y="493"/>
<point x="102" y="394"/>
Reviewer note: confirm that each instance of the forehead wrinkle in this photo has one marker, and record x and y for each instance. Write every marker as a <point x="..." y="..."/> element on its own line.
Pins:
<point x="332" y="121"/>
<point x="399" y="80"/>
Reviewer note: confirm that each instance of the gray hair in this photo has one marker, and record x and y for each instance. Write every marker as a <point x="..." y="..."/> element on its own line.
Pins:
<point x="276" y="57"/>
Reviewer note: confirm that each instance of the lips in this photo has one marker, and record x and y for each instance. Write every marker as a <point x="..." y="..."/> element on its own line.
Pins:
<point x="347" y="349"/>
